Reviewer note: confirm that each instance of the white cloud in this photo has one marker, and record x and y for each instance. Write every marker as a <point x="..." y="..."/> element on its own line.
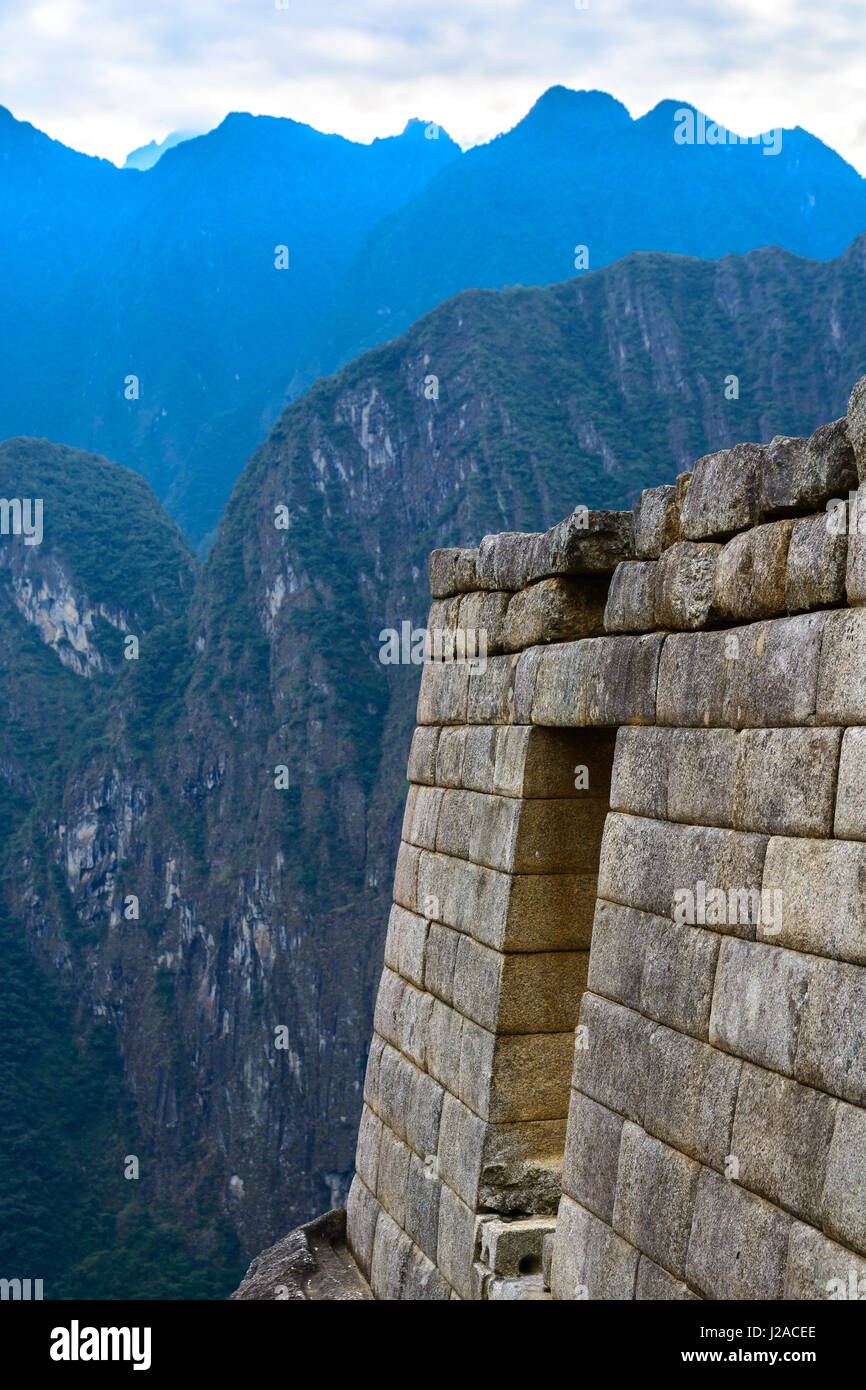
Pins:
<point x="106" y="75"/>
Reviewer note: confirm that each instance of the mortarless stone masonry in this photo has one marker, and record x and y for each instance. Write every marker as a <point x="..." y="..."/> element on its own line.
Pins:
<point x="620" y="1039"/>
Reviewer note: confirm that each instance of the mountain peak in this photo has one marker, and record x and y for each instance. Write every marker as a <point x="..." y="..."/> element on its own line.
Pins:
<point x="562" y="108"/>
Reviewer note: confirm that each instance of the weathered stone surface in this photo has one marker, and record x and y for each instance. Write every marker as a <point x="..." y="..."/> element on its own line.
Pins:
<point x="656" y="521"/>
<point x="457" y="1240"/>
<point x="523" y="837"/>
<point x="371" y="1077"/>
<point x="603" y="681"/>
<point x="654" y="1284"/>
<point x="392" y="1251"/>
<point x="684" y="585"/>
<point x="850" y="822"/>
<point x="406" y="876"/>
<point x="828" y="467"/>
<point x="639" y="783"/>
<point x="649" y="963"/>
<point x="367" y="1153"/>
<point x="513" y="1247"/>
<point x="450" y="751"/>
<point x="584" y="543"/>
<point x="424" y="1113"/>
<point x="515" y="1077"/>
<point x="501" y="1167"/>
<point x="655" y="1195"/>
<point x="843" y="1208"/>
<point x="590" y="1261"/>
<point x="519" y="993"/>
<point x="362" y="1213"/>
<point x="701" y="776"/>
<point x="591" y="1155"/>
<point x="554" y="610"/>
<point x="313" y="1263"/>
<point x="631" y="598"/>
<point x="758" y="1000"/>
<point x="395" y="1084"/>
<point x="444" y="692"/>
<point x="857" y="426"/>
<point x="647" y="863"/>
<point x="823" y="885"/>
<point x="422" y="1281"/>
<point x="452" y="572"/>
<point x="423" y="1188"/>
<point x="479" y="756"/>
<point x="723" y="493"/>
<point x="393" y="1176"/>
<point x="841" y="693"/>
<point x="535" y="762"/>
<point x="751" y="677"/>
<point x="503" y="560"/>
<point x="785" y="781"/>
<point x="611" y="1056"/>
<point x="749" y="580"/>
<point x="421" y="816"/>
<point x="422" y="755"/>
<point x="782" y="463"/>
<point x="818" y="1268"/>
<point x="781" y="1140"/>
<point x="690" y="1094"/>
<point x="855" y="568"/>
<point x="523" y="1289"/>
<point x="831" y="1050"/>
<point x="815" y="576"/>
<point x="444" y="1037"/>
<point x="481" y="618"/>
<point x="487" y="698"/>
<point x="738" y="1245"/>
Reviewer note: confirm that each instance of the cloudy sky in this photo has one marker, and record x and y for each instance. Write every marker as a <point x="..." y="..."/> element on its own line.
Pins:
<point x="107" y="75"/>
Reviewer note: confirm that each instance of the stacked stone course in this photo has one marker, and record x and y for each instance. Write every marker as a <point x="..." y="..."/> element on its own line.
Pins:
<point x="573" y="1091"/>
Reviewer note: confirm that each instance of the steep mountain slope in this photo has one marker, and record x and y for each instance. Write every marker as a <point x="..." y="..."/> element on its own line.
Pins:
<point x="143" y="314"/>
<point x="246" y="779"/>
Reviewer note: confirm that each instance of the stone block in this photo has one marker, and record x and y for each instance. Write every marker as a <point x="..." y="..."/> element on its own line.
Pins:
<point x="694" y="674"/>
<point x="523" y="1289"/>
<point x="819" y="1269"/>
<point x="850" y="818"/>
<point x="501" y="1167"/>
<point x="684" y="585"/>
<point x="424" y="1114"/>
<point x="448" y="771"/>
<point x="786" y="780"/>
<point x="444" y="692"/>
<point x="822" y="885"/>
<point x="758" y="1002"/>
<point x="422" y="755"/>
<point x="678" y="970"/>
<point x="590" y="1261"/>
<point x="443" y="1046"/>
<point x="406" y="876"/>
<point x="559" y="609"/>
<point x="655" y="1196"/>
<point x="739" y="1243"/>
<point x="452" y="571"/>
<point x="534" y="762"/>
<point x="392" y="1251"/>
<point x="749" y="581"/>
<point x="512" y="1248"/>
<point x="782" y="464"/>
<point x="631" y="598"/>
<point x="488" y="700"/>
<point x="504" y="560"/>
<point x="855" y="564"/>
<point x="362" y="1213"/>
<point x="841" y="692"/>
<point x="654" y="865"/>
<point x="856" y="420"/>
<point x="515" y="1077"/>
<point x="441" y="961"/>
<point x="639" y="782"/>
<point x="405" y="943"/>
<point x="843" y="1206"/>
<point x="367" y="1152"/>
<point x="781" y="1140"/>
<point x="654" y="1284"/>
<point x="723" y="496"/>
<point x="584" y="543"/>
<point x="396" y="1073"/>
<point x="691" y="1090"/>
<point x="422" y="1281"/>
<point x="827" y="467"/>
<point x="371" y="1076"/>
<point x="422" y="1204"/>
<point x="479" y="756"/>
<point x="481" y="617"/>
<point x="591" y="1155"/>
<point x="523" y="992"/>
<point x="603" y="681"/>
<point x="815" y="576"/>
<point x="656" y="521"/>
<point x="393" y="1175"/>
<point x="831" y="1048"/>
<point x="611" y="1056"/>
<point x="421" y="816"/>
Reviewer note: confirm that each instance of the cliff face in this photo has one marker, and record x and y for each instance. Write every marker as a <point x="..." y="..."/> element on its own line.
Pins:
<point x="242" y="994"/>
<point x="619" y="1031"/>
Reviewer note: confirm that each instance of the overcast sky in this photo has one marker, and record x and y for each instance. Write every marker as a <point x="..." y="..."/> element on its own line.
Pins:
<point x="107" y="75"/>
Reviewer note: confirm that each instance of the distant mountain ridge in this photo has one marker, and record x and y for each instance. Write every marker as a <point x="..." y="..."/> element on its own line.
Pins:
<point x="145" y="156"/>
<point x="169" y="276"/>
<point x="265" y="908"/>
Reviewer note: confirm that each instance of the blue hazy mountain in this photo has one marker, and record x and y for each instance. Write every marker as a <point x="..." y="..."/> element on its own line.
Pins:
<point x="168" y="275"/>
<point x="145" y="156"/>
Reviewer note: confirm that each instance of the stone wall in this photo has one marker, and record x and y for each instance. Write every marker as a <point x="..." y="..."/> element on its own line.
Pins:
<point x="659" y="755"/>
